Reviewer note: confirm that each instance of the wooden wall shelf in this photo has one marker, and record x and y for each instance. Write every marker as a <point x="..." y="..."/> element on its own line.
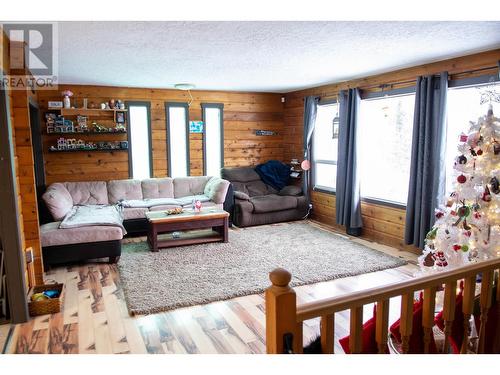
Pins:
<point x="86" y="111"/>
<point x="87" y="133"/>
<point x="95" y="150"/>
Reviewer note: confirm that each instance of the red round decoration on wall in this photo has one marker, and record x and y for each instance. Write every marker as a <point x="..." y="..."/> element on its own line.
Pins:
<point x="461" y="179"/>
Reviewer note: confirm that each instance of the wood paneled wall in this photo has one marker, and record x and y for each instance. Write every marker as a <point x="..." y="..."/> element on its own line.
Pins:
<point x="243" y="114"/>
<point x="26" y="194"/>
<point x="381" y="223"/>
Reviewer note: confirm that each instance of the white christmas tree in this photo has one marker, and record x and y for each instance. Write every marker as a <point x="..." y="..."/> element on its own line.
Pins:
<point x="467" y="226"/>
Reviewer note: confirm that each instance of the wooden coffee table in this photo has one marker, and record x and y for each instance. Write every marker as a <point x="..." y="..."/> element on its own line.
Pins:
<point x="160" y="223"/>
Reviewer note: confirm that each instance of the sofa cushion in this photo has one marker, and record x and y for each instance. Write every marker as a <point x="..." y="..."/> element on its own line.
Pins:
<point x="257" y="188"/>
<point x="241" y="174"/>
<point x="185" y="201"/>
<point x="241" y="195"/>
<point x="185" y="186"/>
<point x="88" y="192"/>
<point x="291" y="190"/>
<point x="134" y="213"/>
<point x="239" y="186"/>
<point x="208" y="204"/>
<point x="216" y="189"/>
<point x="58" y="200"/>
<point x="51" y="235"/>
<point x="158" y="188"/>
<point x="124" y="189"/>
<point x="273" y="202"/>
<point x="146" y="203"/>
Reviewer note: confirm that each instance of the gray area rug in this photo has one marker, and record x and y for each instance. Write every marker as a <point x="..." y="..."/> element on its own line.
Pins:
<point x="193" y="275"/>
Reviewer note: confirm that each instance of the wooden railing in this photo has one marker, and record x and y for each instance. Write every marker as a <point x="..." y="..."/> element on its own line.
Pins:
<point x="284" y="319"/>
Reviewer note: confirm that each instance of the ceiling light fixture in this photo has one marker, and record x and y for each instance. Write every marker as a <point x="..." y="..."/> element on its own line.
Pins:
<point x="186" y="87"/>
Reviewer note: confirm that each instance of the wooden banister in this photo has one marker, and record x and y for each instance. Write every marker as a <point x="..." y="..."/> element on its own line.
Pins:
<point x="485" y="303"/>
<point x="284" y="317"/>
<point x="332" y="305"/>
<point x="382" y="325"/>
<point x="449" y="303"/>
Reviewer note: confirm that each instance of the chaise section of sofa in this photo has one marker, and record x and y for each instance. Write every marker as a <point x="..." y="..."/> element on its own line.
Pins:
<point x="256" y="203"/>
<point x="135" y="197"/>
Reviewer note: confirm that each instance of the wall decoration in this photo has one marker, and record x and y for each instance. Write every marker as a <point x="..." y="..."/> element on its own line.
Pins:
<point x="196" y="126"/>
<point x="120" y="117"/>
<point x="265" y="132"/>
<point x="55" y="104"/>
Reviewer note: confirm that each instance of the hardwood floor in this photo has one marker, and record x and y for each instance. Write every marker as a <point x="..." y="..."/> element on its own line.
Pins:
<point x="95" y="319"/>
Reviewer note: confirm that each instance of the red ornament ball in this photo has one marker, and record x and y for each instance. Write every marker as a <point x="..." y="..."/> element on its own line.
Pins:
<point x="479" y="152"/>
<point x="457" y="247"/>
<point x="461" y="179"/>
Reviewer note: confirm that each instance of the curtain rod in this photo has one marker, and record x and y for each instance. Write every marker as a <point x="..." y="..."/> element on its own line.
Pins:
<point x="388" y="85"/>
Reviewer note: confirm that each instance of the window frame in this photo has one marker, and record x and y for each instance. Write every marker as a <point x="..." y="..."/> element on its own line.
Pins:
<point x="468" y="82"/>
<point x="184" y="105"/>
<point x="374" y="95"/>
<point x="321" y="188"/>
<point x="220" y="107"/>
<point x="134" y="103"/>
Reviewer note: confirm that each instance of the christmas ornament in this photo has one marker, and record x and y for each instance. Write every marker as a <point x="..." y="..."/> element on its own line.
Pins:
<point x="462" y="159"/>
<point x="495" y="188"/>
<point x="461" y="179"/>
<point x="479" y="152"/>
<point x="496" y="148"/>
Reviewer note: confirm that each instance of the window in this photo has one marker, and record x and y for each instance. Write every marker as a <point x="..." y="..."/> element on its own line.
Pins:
<point x="384" y="137"/>
<point x="213" y="139"/>
<point x="177" y="139"/>
<point x="324" y="147"/>
<point x="139" y="128"/>
<point x="464" y="105"/>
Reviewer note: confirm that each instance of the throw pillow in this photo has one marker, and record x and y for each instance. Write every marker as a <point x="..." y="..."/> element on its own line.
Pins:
<point x="291" y="190"/>
<point x="58" y="201"/>
<point x="216" y="189"/>
<point x="369" y="345"/>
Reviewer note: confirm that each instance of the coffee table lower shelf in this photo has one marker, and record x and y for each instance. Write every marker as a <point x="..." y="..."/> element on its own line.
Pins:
<point x="185" y="239"/>
<point x="201" y="230"/>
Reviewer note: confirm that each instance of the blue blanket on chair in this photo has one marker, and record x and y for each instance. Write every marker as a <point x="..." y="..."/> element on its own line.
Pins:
<point x="274" y="173"/>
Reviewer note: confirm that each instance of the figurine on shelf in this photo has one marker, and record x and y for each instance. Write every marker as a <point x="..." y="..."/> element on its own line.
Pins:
<point x="120" y="128"/>
<point x="82" y="124"/>
<point x="50" y="121"/>
<point x="103" y="105"/>
<point x="112" y="103"/>
<point x="67" y="94"/>
<point x="99" y="128"/>
<point x="62" y="144"/>
<point x="120" y="104"/>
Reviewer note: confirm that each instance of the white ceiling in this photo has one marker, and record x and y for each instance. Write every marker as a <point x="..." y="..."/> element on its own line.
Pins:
<point x="257" y="56"/>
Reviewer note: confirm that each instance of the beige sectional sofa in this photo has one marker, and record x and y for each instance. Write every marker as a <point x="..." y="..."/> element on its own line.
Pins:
<point x="134" y="197"/>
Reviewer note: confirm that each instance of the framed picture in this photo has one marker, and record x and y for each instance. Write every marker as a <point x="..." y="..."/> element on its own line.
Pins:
<point x="196" y="126"/>
<point x="120" y="117"/>
<point x="55" y="104"/>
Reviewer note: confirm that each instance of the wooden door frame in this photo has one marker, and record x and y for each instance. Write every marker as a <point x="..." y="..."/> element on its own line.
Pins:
<point x="10" y="233"/>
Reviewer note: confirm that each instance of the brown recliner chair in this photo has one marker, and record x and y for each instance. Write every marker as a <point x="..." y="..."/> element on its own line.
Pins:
<point x="256" y="203"/>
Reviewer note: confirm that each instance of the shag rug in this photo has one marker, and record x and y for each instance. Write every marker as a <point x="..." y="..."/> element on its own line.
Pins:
<point x="192" y="275"/>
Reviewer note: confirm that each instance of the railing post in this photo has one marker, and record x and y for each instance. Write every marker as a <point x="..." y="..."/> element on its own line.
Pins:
<point x="281" y="313"/>
<point x="485" y="303"/>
